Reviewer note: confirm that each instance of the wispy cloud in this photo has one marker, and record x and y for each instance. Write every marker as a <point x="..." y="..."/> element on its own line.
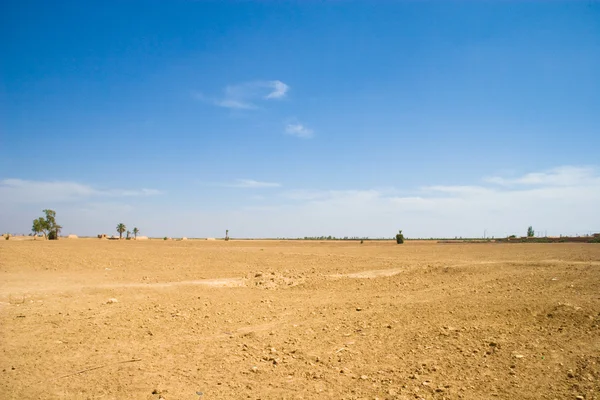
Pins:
<point x="27" y="191"/>
<point x="247" y="95"/>
<point x="236" y="104"/>
<point x="431" y="211"/>
<point x="299" y="130"/>
<point x="279" y="90"/>
<point x="561" y="176"/>
<point x="562" y="200"/>
<point x="252" y="184"/>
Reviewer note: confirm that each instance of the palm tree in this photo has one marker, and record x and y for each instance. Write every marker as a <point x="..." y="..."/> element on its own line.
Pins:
<point x="121" y="228"/>
<point x="135" y="232"/>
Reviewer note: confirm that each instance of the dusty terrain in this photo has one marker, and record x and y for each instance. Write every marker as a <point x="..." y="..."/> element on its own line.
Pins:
<point x="93" y="319"/>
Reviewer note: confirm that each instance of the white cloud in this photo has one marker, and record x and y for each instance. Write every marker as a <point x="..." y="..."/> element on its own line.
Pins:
<point x="245" y="96"/>
<point x="561" y="176"/>
<point x="252" y="184"/>
<point x="279" y="90"/>
<point x="456" y="189"/>
<point x="430" y="211"/>
<point x="26" y="191"/>
<point x="298" y="130"/>
<point x="230" y="103"/>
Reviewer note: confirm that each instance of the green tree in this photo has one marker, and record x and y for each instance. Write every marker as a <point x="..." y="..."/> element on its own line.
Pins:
<point x="48" y="226"/>
<point x="121" y="228"/>
<point x="226" y="234"/>
<point x="135" y="232"/>
<point x="39" y="226"/>
<point x="530" y="232"/>
<point x="399" y="237"/>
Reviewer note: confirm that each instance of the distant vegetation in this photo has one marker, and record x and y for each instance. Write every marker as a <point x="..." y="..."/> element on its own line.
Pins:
<point x="530" y="232"/>
<point x="47" y="225"/>
<point x="334" y="238"/>
<point x="121" y="228"/>
<point x="399" y="237"/>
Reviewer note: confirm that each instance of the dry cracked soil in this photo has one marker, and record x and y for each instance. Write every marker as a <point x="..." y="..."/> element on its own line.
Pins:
<point x="95" y="319"/>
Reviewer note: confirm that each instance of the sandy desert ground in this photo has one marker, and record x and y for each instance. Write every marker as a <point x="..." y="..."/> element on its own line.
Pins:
<point x="94" y="319"/>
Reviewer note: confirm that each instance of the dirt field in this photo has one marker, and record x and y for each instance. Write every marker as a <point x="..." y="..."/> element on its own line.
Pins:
<point x="93" y="319"/>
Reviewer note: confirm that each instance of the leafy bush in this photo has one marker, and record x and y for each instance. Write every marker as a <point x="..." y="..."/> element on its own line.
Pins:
<point x="399" y="237"/>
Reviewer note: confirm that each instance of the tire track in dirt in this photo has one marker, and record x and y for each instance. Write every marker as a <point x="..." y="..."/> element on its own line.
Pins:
<point x="242" y="282"/>
<point x="215" y="283"/>
<point x="375" y="273"/>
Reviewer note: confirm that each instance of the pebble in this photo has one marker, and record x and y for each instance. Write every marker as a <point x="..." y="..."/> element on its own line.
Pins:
<point x="111" y="301"/>
<point x="364" y="377"/>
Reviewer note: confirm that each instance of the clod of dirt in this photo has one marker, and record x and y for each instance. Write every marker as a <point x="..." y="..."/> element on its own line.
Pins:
<point x="111" y="301"/>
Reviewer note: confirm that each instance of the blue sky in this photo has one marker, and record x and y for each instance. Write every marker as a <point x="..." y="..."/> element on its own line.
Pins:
<point x="186" y="118"/>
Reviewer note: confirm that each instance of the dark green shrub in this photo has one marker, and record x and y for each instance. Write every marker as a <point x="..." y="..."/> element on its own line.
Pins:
<point x="399" y="237"/>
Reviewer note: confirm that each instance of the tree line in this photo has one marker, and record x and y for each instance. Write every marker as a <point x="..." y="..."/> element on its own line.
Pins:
<point x="48" y="226"/>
